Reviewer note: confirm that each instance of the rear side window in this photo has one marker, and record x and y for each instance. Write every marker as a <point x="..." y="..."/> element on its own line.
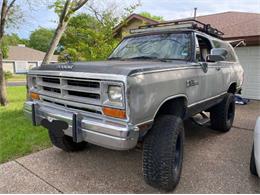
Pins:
<point x="231" y="54"/>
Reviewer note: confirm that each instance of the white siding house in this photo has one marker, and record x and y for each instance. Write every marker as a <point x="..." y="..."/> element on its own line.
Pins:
<point x="21" y="58"/>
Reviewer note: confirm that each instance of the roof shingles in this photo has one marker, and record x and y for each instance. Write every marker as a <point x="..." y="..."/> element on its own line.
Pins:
<point x="234" y="24"/>
<point x="22" y="53"/>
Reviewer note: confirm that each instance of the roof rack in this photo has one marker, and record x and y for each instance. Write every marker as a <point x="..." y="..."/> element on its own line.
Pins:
<point x="179" y="24"/>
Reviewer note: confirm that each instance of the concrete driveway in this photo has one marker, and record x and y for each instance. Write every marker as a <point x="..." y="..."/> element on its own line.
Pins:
<point x="213" y="163"/>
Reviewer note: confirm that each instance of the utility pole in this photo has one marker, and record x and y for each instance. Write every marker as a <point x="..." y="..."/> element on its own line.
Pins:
<point x="195" y="13"/>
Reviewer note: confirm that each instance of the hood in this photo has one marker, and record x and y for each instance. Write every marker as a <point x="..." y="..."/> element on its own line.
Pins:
<point x="112" y="66"/>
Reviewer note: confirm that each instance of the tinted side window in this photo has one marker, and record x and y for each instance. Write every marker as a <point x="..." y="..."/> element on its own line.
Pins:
<point x="230" y="56"/>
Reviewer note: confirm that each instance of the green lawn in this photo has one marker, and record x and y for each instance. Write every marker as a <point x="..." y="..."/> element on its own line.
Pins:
<point x="17" y="135"/>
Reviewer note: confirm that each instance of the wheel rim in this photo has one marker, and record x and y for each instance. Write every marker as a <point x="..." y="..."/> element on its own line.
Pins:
<point x="178" y="154"/>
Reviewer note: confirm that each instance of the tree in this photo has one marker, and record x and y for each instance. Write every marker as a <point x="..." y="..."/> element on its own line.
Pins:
<point x="6" y="15"/>
<point x="40" y="39"/>
<point x="91" y="36"/>
<point x="87" y="38"/>
<point x="149" y="15"/>
<point x="64" y="9"/>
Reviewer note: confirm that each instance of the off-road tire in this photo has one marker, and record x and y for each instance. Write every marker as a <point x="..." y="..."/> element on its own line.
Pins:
<point x="222" y="115"/>
<point x="252" y="163"/>
<point x="66" y="143"/>
<point x="163" y="153"/>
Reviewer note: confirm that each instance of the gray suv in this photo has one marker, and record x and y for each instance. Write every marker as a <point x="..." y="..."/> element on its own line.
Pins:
<point x="156" y="78"/>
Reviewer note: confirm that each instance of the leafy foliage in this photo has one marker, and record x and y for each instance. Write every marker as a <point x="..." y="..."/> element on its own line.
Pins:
<point x="91" y="36"/>
<point x="8" y="75"/>
<point x="40" y="39"/>
<point x="86" y="38"/>
<point x="149" y="15"/>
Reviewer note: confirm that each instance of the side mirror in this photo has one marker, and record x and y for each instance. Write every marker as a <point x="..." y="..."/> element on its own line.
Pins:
<point x="217" y="54"/>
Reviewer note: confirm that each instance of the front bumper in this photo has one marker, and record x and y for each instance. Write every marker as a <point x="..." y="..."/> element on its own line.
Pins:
<point x="117" y="135"/>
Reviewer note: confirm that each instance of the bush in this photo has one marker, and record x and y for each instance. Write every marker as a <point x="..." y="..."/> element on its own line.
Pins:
<point x="8" y="75"/>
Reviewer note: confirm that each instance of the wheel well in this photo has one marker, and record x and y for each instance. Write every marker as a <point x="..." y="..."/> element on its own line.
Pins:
<point x="232" y="88"/>
<point x="175" y="106"/>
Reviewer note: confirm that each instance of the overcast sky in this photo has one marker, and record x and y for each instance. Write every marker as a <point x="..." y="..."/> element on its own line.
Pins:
<point x="40" y="15"/>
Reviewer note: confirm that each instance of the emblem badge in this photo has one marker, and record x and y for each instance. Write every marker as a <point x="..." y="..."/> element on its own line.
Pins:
<point x="65" y="67"/>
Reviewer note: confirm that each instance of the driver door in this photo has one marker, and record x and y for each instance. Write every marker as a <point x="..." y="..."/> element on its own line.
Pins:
<point x="211" y="81"/>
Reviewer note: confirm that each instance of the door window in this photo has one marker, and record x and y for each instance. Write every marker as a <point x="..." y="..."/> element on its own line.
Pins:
<point x="203" y="48"/>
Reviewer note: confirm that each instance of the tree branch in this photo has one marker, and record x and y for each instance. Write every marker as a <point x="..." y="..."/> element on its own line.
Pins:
<point x="64" y="11"/>
<point x="79" y="5"/>
<point x="10" y="6"/>
<point x="98" y="16"/>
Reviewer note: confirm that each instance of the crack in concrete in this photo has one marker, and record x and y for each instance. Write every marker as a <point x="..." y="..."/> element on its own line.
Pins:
<point x="38" y="176"/>
<point x="242" y="128"/>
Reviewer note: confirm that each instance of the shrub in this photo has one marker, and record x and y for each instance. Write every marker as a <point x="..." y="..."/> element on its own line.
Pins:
<point x="8" y="75"/>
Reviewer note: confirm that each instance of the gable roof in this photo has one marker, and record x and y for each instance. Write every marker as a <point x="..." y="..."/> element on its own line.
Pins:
<point x="234" y="24"/>
<point x="23" y="53"/>
<point x="132" y="17"/>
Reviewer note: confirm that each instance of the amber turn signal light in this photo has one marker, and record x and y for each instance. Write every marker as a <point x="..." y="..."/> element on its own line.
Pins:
<point x="117" y="113"/>
<point x="35" y="96"/>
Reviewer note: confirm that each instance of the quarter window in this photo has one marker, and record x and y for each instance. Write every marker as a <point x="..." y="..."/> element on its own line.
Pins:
<point x="221" y="44"/>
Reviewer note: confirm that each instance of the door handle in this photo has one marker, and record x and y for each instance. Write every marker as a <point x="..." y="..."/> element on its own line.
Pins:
<point x="218" y="68"/>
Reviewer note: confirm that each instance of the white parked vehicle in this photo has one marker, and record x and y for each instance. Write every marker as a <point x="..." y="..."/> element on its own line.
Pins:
<point x="255" y="156"/>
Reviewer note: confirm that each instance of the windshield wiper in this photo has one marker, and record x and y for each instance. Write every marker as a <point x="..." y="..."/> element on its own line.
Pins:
<point x="115" y="58"/>
<point x="142" y="58"/>
<point x="147" y="58"/>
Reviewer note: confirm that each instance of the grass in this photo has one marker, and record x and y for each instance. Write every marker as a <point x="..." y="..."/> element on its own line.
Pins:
<point x="18" y="136"/>
<point x="18" y="77"/>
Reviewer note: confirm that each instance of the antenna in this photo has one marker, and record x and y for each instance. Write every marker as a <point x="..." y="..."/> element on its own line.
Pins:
<point x="195" y="13"/>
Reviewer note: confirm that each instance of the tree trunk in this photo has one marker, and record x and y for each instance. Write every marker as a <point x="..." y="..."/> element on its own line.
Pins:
<point x="55" y="41"/>
<point x="3" y="97"/>
<point x="3" y="94"/>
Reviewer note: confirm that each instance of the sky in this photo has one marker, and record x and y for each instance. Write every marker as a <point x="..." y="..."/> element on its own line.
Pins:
<point x="39" y="15"/>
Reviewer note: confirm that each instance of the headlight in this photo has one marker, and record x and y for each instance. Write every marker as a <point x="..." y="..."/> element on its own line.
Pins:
<point x="115" y="93"/>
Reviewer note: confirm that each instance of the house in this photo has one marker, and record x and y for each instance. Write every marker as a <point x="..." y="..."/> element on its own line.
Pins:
<point x="131" y="22"/>
<point x="21" y="58"/>
<point x="236" y="26"/>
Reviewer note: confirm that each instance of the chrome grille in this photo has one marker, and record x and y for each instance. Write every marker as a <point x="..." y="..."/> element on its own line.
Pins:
<point x="73" y="105"/>
<point x="78" y="90"/>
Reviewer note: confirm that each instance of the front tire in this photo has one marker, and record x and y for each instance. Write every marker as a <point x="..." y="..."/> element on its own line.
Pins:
<point x="222" y="115"/>
<point x="163" y="153"/>
<point x="252" y="163"/>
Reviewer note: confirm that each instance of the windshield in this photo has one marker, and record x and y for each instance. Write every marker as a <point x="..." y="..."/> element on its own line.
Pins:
<point x="175" y="46"/>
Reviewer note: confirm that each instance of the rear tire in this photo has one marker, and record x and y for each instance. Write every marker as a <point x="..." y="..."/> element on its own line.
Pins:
<point x="163" y="153"/>
<point x="252" y="163"/>
<point x="66" y="143"/>
<point x="222" y="115"/>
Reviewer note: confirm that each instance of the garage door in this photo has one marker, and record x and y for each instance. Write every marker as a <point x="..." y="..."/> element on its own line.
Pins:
<point x="8" y="67"/>
<point x="250" y="59"/>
